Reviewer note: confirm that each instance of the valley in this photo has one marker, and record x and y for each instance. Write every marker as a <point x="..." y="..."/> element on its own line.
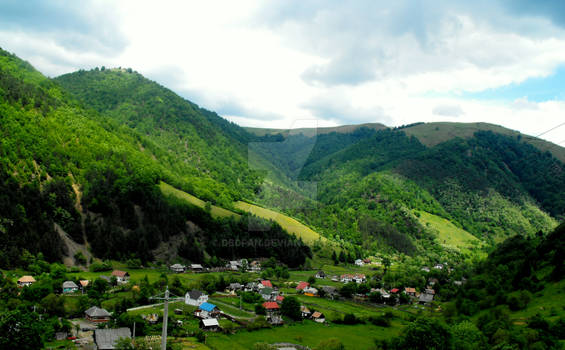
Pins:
<point x="114" y="188"/>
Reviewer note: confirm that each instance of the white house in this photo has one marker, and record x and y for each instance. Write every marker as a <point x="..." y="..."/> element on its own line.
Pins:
<point x="178" y="268"/>
<point x="121" y="276"/>
<point x="195" y="298"/>
<point x="359" y="262"/>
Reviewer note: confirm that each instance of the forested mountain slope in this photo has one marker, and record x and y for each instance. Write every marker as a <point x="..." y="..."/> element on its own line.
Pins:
<point x="205" y="146"/>
<point x="61" y="163"/>
<point x="491" y="184"/>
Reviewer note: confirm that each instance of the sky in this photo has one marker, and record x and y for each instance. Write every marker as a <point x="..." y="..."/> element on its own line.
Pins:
<point x="286" y="63"/>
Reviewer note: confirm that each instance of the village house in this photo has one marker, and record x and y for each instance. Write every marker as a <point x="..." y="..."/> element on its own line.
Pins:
<point x="251" y="287"/>
<point x="83" y="284"/>
<point x="233" y="287"/>
<point x="346" y="278"/>
<point x="438" y="267"/>
<point x="330" y="291"/>
<point x="121" y="276"/>
<point x="433" y="281"/>
<point x="178" y="268"/>
<point x="430" y="291"/>
<point x="272" y="309"/>
<point x="301" y="285"/>
<point x="108" y="338"/>
<point x="425" y="298"/>
<point x="196" y="268"/>
<point x="367" y="261"/>
<point x="359" y="278"/>
<point x="233" y="265"/>
<point x="279" y="299"/>
<point x="410" y="291"/>
<point x="310" y="291"/>
<point x="97" y="315"/>
<point x="394" y="291"/>
<point x="69" y="287"/>
<point x="210" y="324"/>
<point x="266" y="283"/>
<point x="26" y="281"/>
<point x="195" y="298"/>
<point x="306" y="313"/>
<point x="320" y="274"/>
<point x="255" y="266"/>
<point x="268" y="294"/>
<point x="207" y="310"/>
<point x="318" y="317"/>
<point x="359" y="262"/>
<point x="426" y="269"/>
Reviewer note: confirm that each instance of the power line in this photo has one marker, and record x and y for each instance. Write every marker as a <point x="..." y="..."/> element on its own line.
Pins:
<point x="555" y="127"/>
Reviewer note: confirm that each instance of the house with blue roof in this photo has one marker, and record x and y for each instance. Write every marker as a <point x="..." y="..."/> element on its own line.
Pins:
<point x="207" y="310"/>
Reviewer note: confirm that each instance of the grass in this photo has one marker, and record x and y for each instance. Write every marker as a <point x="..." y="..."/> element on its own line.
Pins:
<point x="226" y="307"/>
<point x="306" y="333"/>
<point x="291" y="225"/>
<point x="215" y="211"/>
<point x="449" y="235"/>
<point x="549" y="303"/>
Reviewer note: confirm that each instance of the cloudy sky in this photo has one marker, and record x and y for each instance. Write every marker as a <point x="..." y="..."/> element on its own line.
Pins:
<point x="286" y="63"/>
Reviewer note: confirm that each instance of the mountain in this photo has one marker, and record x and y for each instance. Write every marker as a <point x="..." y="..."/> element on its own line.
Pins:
<point x="74" y="179"/>
<point x="209" y="152"/>
<point x="376" y="187"/>
<point x="111" y="163"/>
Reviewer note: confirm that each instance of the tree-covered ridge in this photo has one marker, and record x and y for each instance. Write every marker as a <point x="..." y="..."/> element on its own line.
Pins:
<point x="200" y="143"/>
<point x="63" y="166"/>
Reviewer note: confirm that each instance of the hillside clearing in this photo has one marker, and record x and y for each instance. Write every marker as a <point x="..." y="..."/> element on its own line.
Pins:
<point x="291" y="225"/>
<point x="216" y="212"/>
<point x="448" y="234"/>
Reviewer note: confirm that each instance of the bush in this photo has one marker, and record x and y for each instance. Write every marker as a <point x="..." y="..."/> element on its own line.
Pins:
<point x="100" y="266"/>
<point x="380" y="321"/>
<point x="259" y="309"/>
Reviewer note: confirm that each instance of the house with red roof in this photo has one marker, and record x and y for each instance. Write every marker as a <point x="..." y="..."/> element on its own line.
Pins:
<point x="267" y="283"/>
<point x="394" y="290"/>
<point x="302" y="285"/>
<point x="121" y="276"/>
<point x="279" y="298"/>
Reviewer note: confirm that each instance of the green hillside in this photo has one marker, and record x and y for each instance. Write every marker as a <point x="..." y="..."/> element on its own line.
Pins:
<point x="69" y="171"/>
<point x="449" y="235"/>
<point x="208" y="152"/>
<point x="289" y="224"/>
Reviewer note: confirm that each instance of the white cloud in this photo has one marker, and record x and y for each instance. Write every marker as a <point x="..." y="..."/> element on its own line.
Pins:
<point x="269" y="63"/>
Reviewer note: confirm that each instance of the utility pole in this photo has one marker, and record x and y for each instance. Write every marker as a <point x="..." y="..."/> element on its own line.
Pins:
<point x="166" y="300"/>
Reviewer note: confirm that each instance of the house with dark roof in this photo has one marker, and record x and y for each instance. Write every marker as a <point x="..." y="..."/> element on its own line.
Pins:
<point x="320" y="274"/>
<point x="195" y="297"/>
<point x="207" y="310"/>
<point x="268" y="294"/>
<point x="121" y="276"/>
<point x="196" y="267"/>
<point x="108" y="338"/>
<point x="96" y="314"/>
<point x="330" y="291"/>
<point x="69" y="287"/>
<point x="425" y="298"/>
